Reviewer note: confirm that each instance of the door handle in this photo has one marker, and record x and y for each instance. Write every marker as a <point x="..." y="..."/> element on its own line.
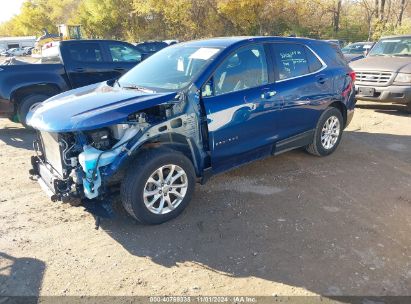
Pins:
<point x="268" y="94"/>
<point x="119" y="69"/>
<point x="79" y="70"/>
<point x="321" y="80"/>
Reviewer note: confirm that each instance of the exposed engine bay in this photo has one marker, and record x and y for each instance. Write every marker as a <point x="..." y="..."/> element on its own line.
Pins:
<point x="81" y="164"/>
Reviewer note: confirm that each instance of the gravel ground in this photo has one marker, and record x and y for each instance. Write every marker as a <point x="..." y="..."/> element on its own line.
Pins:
<point x="288" y="225"/>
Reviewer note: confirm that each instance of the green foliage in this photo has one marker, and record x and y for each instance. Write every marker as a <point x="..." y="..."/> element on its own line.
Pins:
<point x="136" y="20"/>
<point x="392" y="29"/>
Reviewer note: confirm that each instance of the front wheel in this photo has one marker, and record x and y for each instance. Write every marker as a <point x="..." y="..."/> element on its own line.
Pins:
<point x="158" y="187"/>
<point x="327" y="133"/>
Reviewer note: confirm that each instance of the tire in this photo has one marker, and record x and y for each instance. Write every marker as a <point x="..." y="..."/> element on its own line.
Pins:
<point x="26" y="104"/>
<point x="323" y="148"/>
<point x="408" y="108"/>
<point x="136" y="186"/>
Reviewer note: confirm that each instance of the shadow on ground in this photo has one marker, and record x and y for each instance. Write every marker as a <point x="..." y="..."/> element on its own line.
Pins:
<point x="17" y="137"/>
<point x="338" y="225"/>
<point x="20" y="277"/>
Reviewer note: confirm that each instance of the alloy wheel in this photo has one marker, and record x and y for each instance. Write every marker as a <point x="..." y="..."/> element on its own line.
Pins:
<point x="330" y="132"/>
<point x="165" y="189"/>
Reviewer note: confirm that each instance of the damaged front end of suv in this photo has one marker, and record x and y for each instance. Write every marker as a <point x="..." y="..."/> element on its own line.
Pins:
<point x="81" y="154"/>
<point x="146" y="139"/>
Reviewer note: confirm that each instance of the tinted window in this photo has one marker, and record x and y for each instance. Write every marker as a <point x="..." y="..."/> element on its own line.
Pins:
<point x="338" y="56"/>
<point x="353" y="49"/>
<point x="150" y="47"/>
<point x="85" y="52"/>
<point x="314" y="64"/>
<point x="291" y="60"/>
<point x="122" y="53"/>
<point x="244" y="69"/>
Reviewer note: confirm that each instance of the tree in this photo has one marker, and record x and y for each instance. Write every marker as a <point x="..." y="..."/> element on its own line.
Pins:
<point x="337" y="12"/>
<point x="136" y="20"/>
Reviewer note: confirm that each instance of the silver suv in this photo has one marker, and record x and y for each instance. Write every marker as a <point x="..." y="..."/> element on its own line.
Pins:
<point x="385" y="74"/>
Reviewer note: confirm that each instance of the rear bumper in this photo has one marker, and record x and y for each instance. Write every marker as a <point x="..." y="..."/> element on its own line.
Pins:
<point x="393" y="94"/>
<point x="6" y="108"/>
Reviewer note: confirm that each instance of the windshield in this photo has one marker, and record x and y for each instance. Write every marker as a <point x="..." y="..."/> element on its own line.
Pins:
<point x="392" y="47"/>
<point x="172" y="68"/>
<point x="355" y="48"/>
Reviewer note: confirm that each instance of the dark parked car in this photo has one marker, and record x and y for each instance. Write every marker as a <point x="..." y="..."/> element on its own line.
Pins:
<point x="70" y="64"/>
<point x="189" y="111"/>
<point x="151" y="47"/>
<point x="357" y="50"/>
<point x="340" y="43"/>
<point x="385" y="74"/>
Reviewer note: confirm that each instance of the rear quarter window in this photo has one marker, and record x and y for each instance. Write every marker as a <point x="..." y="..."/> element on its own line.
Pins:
<point x="335" y="54"/>
<point x="51" y="55"/>
<point x="314" y="64"/>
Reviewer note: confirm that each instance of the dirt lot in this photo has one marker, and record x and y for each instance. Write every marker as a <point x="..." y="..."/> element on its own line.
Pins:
<point x="287" y="225"/>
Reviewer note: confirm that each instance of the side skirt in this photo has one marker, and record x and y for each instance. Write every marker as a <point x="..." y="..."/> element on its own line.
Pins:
<point x="296" y="141"/>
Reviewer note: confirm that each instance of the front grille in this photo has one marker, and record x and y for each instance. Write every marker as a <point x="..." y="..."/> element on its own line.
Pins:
<point x="52" y="151"/>
<point x="373" y="78"/>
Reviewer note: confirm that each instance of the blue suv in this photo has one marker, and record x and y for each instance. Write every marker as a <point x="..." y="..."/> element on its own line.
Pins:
<point x="187" y="112"/>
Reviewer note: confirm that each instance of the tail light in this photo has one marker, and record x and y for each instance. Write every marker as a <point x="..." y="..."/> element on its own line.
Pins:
<point x="347" y="90"/>
<point x="352" y="75"/>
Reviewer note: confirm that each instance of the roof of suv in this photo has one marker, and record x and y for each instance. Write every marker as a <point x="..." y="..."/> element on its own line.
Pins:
<point x="228" y="41"/>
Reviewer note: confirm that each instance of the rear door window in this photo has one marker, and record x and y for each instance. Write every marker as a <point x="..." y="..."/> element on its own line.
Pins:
<point x="291" y="60"/>
<point x="85" y="52"/>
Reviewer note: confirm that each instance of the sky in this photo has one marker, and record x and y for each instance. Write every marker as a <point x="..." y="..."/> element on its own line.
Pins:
<point x="9" y="8"/>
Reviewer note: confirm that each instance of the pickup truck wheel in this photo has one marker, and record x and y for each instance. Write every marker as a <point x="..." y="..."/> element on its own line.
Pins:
<point x="158" y="187"/>
<point x="26" y="104"/>
<point x="327" y="133"/>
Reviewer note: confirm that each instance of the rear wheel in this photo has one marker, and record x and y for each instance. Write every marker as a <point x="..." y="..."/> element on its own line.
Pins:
<point x="28" y="103"/>
<point x="158" y="187"/>
<point x="327" y="133"/>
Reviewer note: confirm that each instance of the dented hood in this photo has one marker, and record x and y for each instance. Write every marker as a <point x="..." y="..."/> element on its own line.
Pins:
<point x="92" y="107"/>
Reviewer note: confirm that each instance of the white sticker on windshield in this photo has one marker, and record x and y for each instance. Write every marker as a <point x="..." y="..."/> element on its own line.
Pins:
<point x="203" y="53"/>
<point x="180" y="64"/>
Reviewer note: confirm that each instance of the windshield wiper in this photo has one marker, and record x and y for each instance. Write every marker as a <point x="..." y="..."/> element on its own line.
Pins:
<point x="399" y="55"/>
<point x="138" y="88"/>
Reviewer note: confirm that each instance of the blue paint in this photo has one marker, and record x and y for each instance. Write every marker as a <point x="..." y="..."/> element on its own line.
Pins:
<point x="237" y="127"/>
<point x="92" y="107"/>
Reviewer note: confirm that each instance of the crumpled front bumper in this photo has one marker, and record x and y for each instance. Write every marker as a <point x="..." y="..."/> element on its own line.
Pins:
<point x="51" y="184"/>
